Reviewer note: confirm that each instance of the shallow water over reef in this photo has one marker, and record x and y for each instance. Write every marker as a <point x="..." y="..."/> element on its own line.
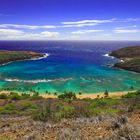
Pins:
<point x="71" y="66"/>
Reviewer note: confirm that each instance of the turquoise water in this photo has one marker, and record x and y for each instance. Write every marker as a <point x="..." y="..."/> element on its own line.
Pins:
<point x="70" y="66"/>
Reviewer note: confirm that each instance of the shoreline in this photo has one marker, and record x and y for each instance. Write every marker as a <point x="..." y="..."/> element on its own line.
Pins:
<point x="91" y="96"/>
<point x="45" y="55"/>
<point x="82" y="96"/>
<point x="129" y="58"/>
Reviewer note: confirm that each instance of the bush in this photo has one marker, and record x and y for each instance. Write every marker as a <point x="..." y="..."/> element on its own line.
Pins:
<point x="36" y="97"/>
<point x="98" y="111"/>
<point x="15" y="96"/>
<point x="67" y="95"/>
<point x="26" y="105"/>
<point x="131" y="94"/>
<point x="43" y="113"/>
<point x="68" y="111"/>
<point x="102" y="106"/>
<point x="3" y="96"/>
<point x="103" y="103"/>
<point x="25" y="96"/>
<point x="8" y="109"/>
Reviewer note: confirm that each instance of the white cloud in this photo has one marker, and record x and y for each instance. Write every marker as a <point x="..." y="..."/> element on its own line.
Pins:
<point x="7" y="34"/>
<point x="49" y="34"/>
<point x="69" y="24"/>
<point x="88" y="21"/>
<point x="26" y="26"/>
<point x="126" y="27"/>
<point x="78" y="25"/>
<point x="131" y="19"/>
<point x="10" y="32"/>
<point x="82" y="23"/>
<point x="86" y="31"/>
<point x="126" y="31"/>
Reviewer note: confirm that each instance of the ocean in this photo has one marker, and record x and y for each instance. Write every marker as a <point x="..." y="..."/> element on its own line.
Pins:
<point x="78" y="66"/>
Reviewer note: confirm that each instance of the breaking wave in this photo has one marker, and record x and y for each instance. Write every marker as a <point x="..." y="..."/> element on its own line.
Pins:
<point x="38" y="80"/>
<point x="44" y="56"/>
<point x="107" y="55"/>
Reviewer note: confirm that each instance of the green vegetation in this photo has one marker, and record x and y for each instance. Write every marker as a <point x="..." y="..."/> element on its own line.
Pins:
<point x="131" y="94"/>
<point x="66" y="106"/>
<point x="18" y="108"/>
<point x="131" y="57"/>
<point x="43" y="113"/>
<point x="8" y="109"/>
<point x="102" y="106"/>
<point x="3" y="96"/>
<point x="23" y="96"/>
<point x="4" y="138"/>
<point x="67" y="95"/>
<point x="8" y="56"/>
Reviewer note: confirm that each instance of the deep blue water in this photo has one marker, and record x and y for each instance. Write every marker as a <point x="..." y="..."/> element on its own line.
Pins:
<point x="78" y="66"/>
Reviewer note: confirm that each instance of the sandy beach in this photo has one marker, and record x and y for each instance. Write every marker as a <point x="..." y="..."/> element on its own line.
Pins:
<point x="82" y="96"/>
<point x="92" y="96"/>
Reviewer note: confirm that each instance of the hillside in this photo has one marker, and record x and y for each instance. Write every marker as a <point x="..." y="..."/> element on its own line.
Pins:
<point x="130" y="57"/>
<point x="27" y="117"/>
<point x="9" y="56"/>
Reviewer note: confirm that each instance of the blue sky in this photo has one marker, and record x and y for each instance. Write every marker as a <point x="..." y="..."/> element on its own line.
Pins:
<point x="70" y="19"/>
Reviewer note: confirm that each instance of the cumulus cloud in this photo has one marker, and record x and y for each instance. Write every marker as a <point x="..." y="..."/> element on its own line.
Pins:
<point x="6" y="34"/>
<point x="86" y="31"/>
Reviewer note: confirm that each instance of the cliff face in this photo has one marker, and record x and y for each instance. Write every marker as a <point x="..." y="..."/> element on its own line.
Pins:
<point x="131" y="57"/>
<point x="8" y="56"/>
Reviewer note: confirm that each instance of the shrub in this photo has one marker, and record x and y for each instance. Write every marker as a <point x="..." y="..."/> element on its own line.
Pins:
<point x="25" y="96"/>
<point x="103" y="102"/>
<point x="15" y="96"/>
<point x="36" y="97"/>
<point x="131" y="94"/>
<point x="43" y="113"/>
<point x="3" y="96"/>
<point x="67" y="95"/>
<point x="8" y="109"/>
<point x="68" y="111"/>
<point x="102" y="106"/>
<point x="98" y="111"/>
<point x="28" y="105"/>
<point x="57" y="116"/>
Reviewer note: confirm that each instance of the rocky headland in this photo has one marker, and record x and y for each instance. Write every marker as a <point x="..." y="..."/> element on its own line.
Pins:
<point x="10" y="56"/>
<point x="130" y="57"/>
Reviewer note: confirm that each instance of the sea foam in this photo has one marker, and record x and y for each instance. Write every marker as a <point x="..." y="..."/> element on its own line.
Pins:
<point x="107" y="55"/>
<point x="44" y="56"/>
<point x="38" y="80"/>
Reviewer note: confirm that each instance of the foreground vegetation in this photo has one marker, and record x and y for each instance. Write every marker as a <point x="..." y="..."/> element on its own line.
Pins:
<point x="65" y="106"/>
<point x="67" y="115"/>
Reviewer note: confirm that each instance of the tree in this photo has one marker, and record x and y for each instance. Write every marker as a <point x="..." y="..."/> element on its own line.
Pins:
<point x="67" y="95"/>
<point x="132" y="88"/>
<point x="55" y="94"/>
<point x="106" y="94"/>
